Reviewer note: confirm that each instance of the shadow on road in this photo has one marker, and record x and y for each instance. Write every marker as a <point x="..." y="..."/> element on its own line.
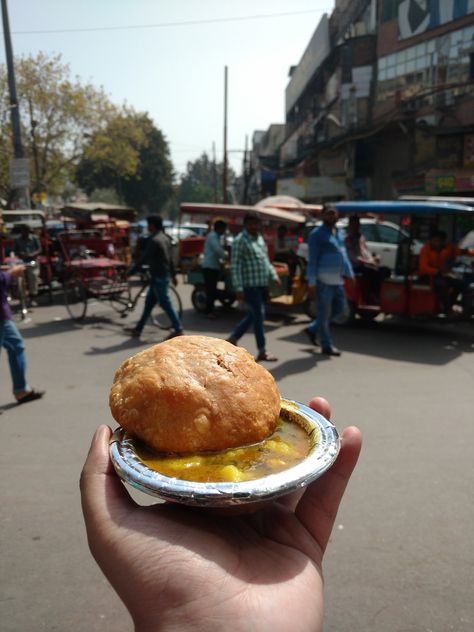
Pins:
<point x="417" y="343"/>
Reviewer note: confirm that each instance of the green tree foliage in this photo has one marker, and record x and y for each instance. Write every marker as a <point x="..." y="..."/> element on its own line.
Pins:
<point x="202" y="181"/>
<point x="131" y="156"/>
<point x="57" y="116"/>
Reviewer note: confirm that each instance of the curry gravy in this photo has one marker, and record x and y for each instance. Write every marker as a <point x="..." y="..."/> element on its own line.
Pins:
<point x="286" y="447"/>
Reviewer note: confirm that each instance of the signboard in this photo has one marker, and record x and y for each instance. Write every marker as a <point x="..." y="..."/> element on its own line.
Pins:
<point x="313" y="189"/>
<point x="418" y="16"/>
<point x="438" y="182"/>
<point x="19" y="173"/>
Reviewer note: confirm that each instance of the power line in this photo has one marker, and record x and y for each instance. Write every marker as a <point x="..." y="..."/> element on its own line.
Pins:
<point x="168" y="24"/>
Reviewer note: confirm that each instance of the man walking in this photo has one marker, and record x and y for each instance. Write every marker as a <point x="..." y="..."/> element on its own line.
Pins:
<point x="211" y="266"/>
<point x="12" y="341"/>
<point x="157" y="255"/>
<point x="327" y="266"/>
<point x="251" y="272"/>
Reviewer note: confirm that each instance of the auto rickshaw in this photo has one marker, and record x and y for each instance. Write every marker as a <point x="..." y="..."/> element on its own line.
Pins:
<point x="289" y="293"/>
<point x="404" y="293"/>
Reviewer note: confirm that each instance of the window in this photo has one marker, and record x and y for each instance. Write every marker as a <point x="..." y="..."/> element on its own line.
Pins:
<point x="369" y="231"/>
<point x="388" y="235"/>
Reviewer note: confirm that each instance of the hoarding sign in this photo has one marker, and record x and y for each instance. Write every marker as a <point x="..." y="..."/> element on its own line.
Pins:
<point x="19" y="173"/>
<point x="418" y="16"/>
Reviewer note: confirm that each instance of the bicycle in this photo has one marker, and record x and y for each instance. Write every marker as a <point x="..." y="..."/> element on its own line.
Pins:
<point x="114" y="287"/>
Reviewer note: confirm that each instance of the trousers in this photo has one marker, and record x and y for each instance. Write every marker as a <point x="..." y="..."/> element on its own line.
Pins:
<point x="12" y="341"/>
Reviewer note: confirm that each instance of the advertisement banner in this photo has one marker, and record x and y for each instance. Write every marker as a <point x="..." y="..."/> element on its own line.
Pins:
<point x="418" y="16"/>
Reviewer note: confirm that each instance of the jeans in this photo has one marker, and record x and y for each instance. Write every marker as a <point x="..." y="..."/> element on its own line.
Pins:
<point x="211" y="278"/>
<point x="158" y="293"/>
<point x="11" y="339"/>
<point x="331" y="304"/>
<point x="255" y="299"/>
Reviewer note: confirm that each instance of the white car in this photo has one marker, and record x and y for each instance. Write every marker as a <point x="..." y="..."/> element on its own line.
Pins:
<point x="382" y="238"/>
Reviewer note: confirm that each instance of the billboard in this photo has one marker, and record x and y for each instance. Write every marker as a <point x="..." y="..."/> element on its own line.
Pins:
<point x="418" y="16"/>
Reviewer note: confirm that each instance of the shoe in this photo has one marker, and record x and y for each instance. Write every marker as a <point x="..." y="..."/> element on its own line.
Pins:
<point x="232" y="341"/>
<point x="312" y="337"/>
<point x="173" y="334"/>
<point x="30" y="397"/>
<point x="331" y="351"/>
<point x="265" y="356"/>
<point x="133" y="331"/>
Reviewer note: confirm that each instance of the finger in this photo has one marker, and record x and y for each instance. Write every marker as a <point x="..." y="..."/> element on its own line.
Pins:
<point x="321" y="406"/>
<point x="317" y="509"/>
<point x="102" y="493"/>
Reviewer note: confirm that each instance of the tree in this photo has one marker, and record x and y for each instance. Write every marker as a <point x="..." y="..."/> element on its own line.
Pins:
<point x="131" y="156"/>
<point x="202" y="181"/>
<point x="57" y="115"/>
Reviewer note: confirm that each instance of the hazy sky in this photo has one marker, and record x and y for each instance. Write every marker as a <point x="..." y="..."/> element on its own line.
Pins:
<point x="176" y="72"/>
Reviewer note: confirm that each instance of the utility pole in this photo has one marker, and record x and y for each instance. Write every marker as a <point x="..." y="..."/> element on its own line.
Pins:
<point x="19" y="171"/>
<point x="214" y="172"/>
<point x="224" y="169"/>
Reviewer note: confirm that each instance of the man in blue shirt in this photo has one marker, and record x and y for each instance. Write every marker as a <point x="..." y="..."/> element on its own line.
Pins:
<point x="211" y="266"/>
<point x="328" y="265"/>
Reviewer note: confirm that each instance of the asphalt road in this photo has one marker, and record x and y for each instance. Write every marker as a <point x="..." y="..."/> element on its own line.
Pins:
<point x="401" y="557"/>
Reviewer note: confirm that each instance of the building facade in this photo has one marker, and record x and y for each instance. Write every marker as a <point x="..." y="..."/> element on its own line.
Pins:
<point x="382" y="103"/>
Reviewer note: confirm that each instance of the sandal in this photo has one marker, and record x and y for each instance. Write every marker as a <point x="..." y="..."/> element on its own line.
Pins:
<point x="264" y="356"/>
<point x="30" y="397"/>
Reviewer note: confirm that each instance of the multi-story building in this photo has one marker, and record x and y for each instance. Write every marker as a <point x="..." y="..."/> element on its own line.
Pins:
<point x="382" y="103"/>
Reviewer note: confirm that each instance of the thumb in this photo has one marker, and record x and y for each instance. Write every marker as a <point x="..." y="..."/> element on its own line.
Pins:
<point x="102" y="493"/>
<point x="318" y="507"/>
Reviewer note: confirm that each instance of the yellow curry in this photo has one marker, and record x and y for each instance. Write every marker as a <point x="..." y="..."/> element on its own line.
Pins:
<point x="286" y="447"/>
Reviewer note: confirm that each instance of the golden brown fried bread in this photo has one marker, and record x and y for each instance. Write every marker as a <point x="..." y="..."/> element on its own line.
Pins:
<point x="195" y="394"/>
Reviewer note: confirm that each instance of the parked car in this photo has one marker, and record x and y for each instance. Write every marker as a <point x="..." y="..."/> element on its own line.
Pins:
<point x="382" y="239"/>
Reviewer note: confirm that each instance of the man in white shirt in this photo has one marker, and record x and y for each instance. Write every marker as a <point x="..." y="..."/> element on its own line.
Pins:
<point x="213" y="255"/>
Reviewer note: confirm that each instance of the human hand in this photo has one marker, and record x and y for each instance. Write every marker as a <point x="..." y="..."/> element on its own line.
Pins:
<point x="17" y="271"/>
<point x="177" y="568"/>
<point x="240" y="297"/>
<point x="311" y="291"/>
<point x="174" y="280"/>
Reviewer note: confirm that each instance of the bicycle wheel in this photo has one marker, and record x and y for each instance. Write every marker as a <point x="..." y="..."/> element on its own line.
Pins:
<point x="159" y="318"/>
<point x="120" y="296"/>
<point x="75" y="298"/>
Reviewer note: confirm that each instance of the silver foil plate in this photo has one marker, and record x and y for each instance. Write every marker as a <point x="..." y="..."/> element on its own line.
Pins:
<point x="324" y="448"/>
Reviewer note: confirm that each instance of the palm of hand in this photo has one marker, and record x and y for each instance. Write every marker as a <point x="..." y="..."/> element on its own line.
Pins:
<point x="210" y="566"/>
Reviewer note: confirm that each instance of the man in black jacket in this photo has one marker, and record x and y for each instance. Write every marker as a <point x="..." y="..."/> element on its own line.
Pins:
<point x="157" y="255"/>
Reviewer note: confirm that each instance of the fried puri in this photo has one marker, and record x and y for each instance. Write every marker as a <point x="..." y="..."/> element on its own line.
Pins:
<point x="195" y="394"/>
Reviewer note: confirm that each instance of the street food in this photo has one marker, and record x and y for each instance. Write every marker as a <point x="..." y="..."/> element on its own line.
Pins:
<point x="194" y="394"/>
<point x="287" y="446"/>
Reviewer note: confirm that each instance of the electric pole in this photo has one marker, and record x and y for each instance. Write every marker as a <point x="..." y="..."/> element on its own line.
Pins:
<point x="19" y="169"/>
<point x="224" y="169"/>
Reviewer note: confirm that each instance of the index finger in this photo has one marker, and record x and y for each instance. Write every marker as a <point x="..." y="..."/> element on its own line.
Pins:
<point x="102" y="493"/>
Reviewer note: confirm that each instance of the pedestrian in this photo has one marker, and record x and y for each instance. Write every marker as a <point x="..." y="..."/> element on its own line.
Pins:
<point x="328" y="265"/>
<point x="28" y="247"/>
<point x="157" y="255"/>
<point x="214" y="254"/>
<point x="12" y="341"/>
<point x="251" y="273"/>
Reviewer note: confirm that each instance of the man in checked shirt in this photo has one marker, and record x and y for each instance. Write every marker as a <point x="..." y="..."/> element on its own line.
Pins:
<point x="251" y="273"/>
